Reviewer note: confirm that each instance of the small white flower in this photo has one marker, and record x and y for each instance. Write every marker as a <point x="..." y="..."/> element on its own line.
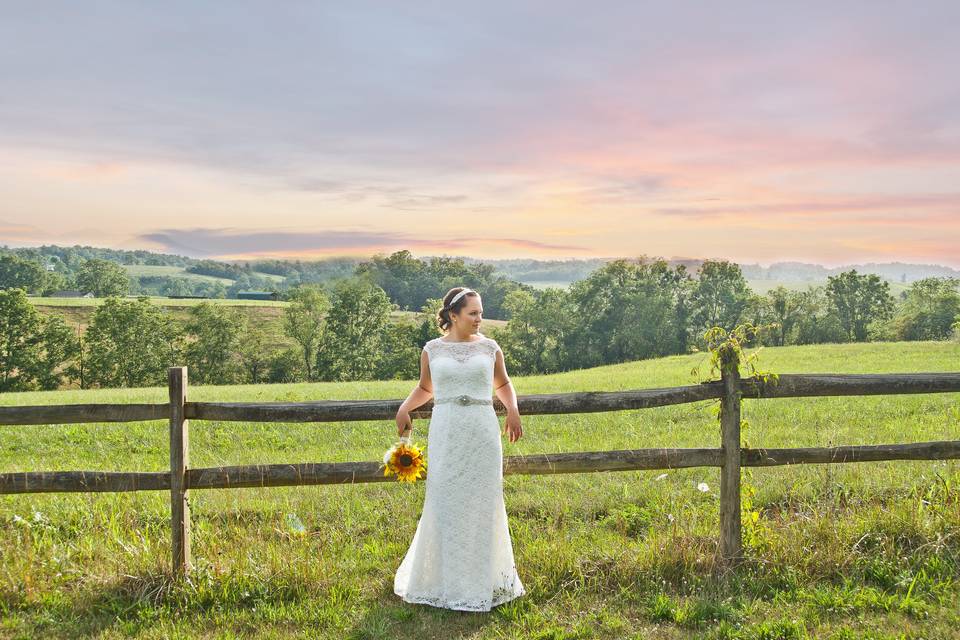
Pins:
<point x="18" y="520"/>
<point x="37" y="516"/>
<point x="703" y="487"/>
<point x="670" y="517"/>
<point x="661" y="476"/>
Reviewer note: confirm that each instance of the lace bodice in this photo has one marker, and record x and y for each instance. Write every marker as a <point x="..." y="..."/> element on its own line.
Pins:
<point x="462" y="367"/>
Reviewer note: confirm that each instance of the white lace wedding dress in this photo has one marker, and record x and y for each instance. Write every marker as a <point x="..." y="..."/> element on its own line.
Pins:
<point x="461" y="556"/>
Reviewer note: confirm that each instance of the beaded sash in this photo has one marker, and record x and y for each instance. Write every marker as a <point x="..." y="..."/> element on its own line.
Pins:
<point x="463" y="400"/>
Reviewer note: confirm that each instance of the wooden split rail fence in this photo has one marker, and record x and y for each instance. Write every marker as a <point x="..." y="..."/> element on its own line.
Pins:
<point x="730" y="457"/>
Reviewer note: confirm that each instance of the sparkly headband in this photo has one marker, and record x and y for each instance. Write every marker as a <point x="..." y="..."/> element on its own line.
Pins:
<point x="458" y="296"/>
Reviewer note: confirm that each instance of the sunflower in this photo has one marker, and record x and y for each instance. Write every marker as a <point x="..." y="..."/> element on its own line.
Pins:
<point x="405" y="460"/>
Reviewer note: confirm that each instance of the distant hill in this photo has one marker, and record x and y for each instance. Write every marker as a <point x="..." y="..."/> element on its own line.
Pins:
<point x="563" y="272"/>
<point x="540" y="273"/>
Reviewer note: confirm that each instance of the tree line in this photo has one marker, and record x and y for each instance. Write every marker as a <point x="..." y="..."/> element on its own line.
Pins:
<point x="408" y="281"/>
<point x="636" y="309"/>
<point x="625" y="310"/>
<point x="342" y="334"/>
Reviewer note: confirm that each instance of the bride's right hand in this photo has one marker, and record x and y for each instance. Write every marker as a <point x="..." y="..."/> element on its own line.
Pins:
<point x="404" y="423"/>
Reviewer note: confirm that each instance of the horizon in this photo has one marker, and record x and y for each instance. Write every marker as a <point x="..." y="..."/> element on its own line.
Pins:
<point x="550" y="259"/>
<point x="755" y="133"/>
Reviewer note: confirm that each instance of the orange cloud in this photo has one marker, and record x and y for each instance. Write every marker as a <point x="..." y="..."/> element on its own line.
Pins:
<point x="83" y="171"/>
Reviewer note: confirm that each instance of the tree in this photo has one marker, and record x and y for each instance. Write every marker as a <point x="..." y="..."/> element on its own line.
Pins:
<point x="103" y="278"/>
<point x="409" y="281"/>
<point x="785" y="308"/>
<point x="303" y="322"/>
<point x="817" y="322"/>
<point x="212" y="355"/>
<point x="859" y="300"/>
<point x="400" y="357"/>
<point x="254" y="358"/>
<point x="19" y="349"/>
<point x="35" y="351"/>
<point x="625" y="311"/>
<point x="534" y="339"/>
<point x="720" y="296"/>
<point x="400" y="275"/>
<point x="929" y="310"/>
<point x="54" y="281"/>
<point x="176" y="287"/>
<point x="17" y="273"/>
<point x="355" y="339"/>
<point x="130" y="343"/>
<point x="285" y="365"/>
<point x="57" y="361"/>
<point x="426" y="321"/>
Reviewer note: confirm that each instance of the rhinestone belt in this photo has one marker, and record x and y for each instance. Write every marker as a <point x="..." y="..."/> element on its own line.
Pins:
<point x="463" y="400"/>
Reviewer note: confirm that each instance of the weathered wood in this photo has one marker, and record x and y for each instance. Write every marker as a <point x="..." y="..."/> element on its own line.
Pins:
<point x="616" y="460"/>
<point x="730" y="530"/>
<point x="83" y="481"/>
<point x="790" y="385"/>
<point x="179" y="461"/>
<point x="850" y="384"/>
<point x="936" y="450"/>
<point x="308" y="473"/>
<point x="80" y="413"/>
<point x="347" y="410"/>
<point x="274" y="475"/>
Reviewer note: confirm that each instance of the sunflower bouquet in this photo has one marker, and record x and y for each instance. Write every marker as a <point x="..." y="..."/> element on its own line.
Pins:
<point x="404" y="460"/>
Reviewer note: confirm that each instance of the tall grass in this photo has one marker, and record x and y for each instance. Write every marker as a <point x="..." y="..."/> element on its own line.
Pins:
<point x="837" y="550"/>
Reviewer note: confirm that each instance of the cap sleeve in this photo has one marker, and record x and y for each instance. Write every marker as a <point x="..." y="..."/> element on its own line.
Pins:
<point x="496" y="347"/>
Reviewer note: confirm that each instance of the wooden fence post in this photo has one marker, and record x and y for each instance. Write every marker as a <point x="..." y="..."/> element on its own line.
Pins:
<point x="179" y="460"/>
<point x="730" y="532"/>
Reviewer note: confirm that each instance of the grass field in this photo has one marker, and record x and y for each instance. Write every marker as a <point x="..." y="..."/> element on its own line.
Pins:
<point x="863" y="550"/>
<point x="180" y="272"/>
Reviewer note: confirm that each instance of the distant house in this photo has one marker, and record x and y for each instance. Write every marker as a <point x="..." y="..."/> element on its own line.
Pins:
<point x="258" y="295"/>
<point x="70" y="293"/>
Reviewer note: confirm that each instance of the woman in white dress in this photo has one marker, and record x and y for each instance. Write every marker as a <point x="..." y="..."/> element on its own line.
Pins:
<point x="461" y="556"/>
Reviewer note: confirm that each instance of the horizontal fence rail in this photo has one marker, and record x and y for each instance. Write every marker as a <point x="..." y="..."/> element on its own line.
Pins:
<point x="82" y="413"/>
<point x="730" y="389"/>
<point x="311" y="473"/>
<point x="788" y="386"/>
<point x="802" y="385"/>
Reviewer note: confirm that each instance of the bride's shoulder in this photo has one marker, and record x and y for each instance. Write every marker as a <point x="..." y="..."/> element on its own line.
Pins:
<point x="490" y="342"/>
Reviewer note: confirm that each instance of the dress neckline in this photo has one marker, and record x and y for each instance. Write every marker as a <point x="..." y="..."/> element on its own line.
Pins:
<point x="480" y="339"/>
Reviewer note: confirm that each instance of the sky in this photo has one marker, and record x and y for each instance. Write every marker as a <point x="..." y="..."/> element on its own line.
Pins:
<point x="759" y="132"/>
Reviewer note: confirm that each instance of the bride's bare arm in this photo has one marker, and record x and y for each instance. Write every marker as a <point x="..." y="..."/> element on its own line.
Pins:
<point x="420" y="394"/>
<point x="508" y="396"/>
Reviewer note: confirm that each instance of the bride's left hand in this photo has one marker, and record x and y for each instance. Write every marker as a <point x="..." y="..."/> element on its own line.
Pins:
<point x="512" y="426"/>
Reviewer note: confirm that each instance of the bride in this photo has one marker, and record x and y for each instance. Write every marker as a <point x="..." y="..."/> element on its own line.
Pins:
<point x="461" y="556"/>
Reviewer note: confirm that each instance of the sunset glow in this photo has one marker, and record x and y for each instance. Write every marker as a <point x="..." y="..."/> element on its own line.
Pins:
<point x="757" y="132"/>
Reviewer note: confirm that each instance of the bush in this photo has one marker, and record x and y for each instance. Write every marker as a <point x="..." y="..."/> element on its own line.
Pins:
<point x="286" y="366"/>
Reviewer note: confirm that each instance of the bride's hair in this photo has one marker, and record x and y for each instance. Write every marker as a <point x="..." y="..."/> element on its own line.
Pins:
<point x="443" y="316"/>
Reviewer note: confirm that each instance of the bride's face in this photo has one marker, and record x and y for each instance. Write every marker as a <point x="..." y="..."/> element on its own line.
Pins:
<point x="470" y="315"/>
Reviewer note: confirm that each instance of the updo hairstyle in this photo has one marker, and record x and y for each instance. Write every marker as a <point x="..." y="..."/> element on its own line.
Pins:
<point x="443" y="316"/>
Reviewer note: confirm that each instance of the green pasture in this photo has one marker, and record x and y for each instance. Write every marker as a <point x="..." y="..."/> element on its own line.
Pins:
<point x="163" y="301"/>
<point x="179" y="272"/>
<point x="860" y="550"/>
